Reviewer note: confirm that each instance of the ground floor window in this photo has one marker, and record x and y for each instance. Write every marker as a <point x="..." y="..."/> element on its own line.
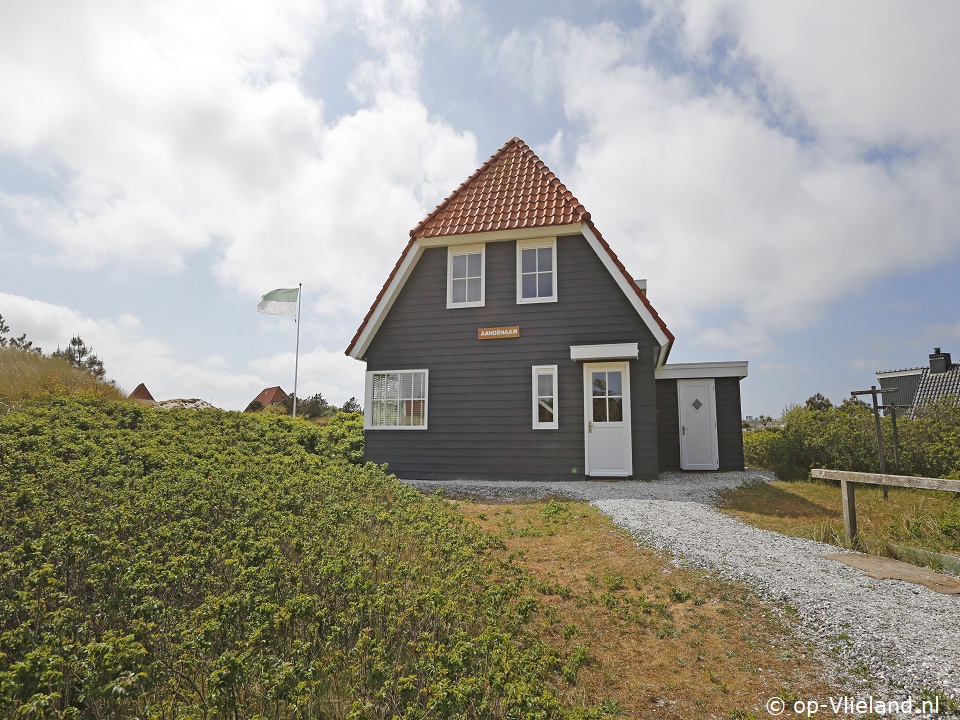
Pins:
<point x="396" y="399"/>
<point x="545" y="397"/>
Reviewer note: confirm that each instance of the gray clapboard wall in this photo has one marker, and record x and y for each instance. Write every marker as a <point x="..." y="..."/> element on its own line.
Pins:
<point x="729" y="427"/>
<point x="480" y="392"/>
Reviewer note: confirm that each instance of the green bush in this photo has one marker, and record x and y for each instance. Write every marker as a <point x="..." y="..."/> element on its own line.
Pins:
<point x="844" y="438"/>
<point x="206" y="564"/>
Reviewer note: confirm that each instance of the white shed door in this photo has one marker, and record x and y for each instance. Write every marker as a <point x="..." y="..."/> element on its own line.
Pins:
<point x="698" y="425"/>
<point x="606" y="389"/>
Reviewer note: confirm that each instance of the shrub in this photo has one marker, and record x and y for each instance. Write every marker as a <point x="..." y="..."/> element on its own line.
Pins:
<point x="186" y="563"/>
<point x="844" y="438"/>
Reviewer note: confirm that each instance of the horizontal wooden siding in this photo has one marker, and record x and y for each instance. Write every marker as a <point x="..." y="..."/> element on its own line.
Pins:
<point x="480" y="394"/>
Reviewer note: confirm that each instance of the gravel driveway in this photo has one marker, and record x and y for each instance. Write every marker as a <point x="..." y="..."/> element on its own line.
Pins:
<point x="906" y="635"/>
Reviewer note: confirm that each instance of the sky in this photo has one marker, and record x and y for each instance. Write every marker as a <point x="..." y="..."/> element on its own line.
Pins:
<point x="786" y="176"/>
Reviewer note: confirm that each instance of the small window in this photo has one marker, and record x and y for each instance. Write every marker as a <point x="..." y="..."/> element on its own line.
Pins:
<point x="545" y="397"/>
<point x="465" y="276"/>
<point x="537" y="270"/>
<point x="396" y="399"/>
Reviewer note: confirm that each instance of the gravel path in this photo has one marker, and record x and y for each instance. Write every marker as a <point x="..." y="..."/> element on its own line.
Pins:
<point x="906" y="635"/>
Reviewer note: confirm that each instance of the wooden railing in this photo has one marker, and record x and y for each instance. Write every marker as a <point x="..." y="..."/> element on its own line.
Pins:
<point x="848" y="480"/>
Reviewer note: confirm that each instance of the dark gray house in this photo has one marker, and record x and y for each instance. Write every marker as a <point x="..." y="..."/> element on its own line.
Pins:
<point x="509" y="342"/>
<point x="920" y="385"/>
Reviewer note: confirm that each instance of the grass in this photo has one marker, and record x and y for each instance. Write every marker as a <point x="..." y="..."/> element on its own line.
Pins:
<point x="923" y="519"/>
<point x="654" y="639"/>
<point x="28" y="375"/>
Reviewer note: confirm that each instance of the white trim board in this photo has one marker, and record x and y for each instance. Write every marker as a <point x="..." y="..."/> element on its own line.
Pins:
<point x="900" y="373"/>
<point x="386" y="302"/>
<point x="615" y="351"/>
<point x="541" y="231"/>
<point x="694" y="371"/>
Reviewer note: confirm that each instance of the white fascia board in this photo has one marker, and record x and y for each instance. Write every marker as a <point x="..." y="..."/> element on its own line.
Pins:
<point x="613" y="351"/>
<point x="637" y="303"/>
<point x="386" y="302"/>
<point x="501" y="235"/>
<point x="900" y="373"/>
<point x="695" y="371"/>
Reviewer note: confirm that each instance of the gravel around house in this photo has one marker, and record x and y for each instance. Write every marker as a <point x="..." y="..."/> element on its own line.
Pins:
<point x="906" y="636"/>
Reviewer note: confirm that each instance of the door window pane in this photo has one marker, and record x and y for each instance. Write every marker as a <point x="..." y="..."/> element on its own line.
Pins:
<point x="614" y="383"/>
<point x="599" y="384"/>
<point x="616" y="409"/>
<point x="600" y="409"/>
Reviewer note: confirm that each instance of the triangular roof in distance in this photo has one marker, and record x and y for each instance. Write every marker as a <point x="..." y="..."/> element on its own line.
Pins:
<point x="270" y="395"/>
<point x="511" y="193"/>
<point x="141" y="393"/>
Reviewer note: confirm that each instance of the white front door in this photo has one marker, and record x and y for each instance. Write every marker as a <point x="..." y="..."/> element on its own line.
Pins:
<point x="606" y="394"/>
<point x="698" y="425"/>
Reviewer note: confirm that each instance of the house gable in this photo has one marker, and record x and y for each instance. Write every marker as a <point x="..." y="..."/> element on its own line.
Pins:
<point x="480" y="416"/>
<point x="512" y="196"/>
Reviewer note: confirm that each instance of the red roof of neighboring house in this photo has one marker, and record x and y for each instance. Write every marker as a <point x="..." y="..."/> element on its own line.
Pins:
<point x="514" y="189"/>
<point x="141" y="393"/>
<point x="270" y="395"/>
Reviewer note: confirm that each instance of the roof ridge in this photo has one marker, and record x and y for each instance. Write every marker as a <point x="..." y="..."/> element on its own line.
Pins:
<point x="576" y="211"/>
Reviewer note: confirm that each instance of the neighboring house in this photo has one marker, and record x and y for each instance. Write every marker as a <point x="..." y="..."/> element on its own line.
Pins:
<point x="141" y="393"/>
<point x="509" y="342"/>
<point x="920" y="385"/>
<point x="269" y="396"/>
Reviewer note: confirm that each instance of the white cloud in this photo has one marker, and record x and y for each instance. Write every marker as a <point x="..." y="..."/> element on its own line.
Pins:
<point x="176" y="126"/>
<point x="720" y="205"/>
<point x="874" y="72"/>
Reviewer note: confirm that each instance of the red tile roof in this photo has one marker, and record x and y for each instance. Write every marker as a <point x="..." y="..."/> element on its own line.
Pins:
<point x="270" y="396"/>
<point x="141" y="393"/>
<point x="514" y="189"/>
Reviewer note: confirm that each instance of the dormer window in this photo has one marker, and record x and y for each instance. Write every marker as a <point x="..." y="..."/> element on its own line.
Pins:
<point x="537" y="270"/>
<point x="465" y="266"/>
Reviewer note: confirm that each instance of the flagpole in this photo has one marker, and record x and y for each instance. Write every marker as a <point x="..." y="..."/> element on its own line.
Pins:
<point x="296" y="362"/>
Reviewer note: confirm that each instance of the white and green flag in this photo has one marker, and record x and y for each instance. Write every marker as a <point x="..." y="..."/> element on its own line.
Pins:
<point x="279" y="302"/>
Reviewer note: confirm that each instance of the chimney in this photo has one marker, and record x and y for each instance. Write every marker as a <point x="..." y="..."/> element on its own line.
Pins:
<point x="940" y="362"/>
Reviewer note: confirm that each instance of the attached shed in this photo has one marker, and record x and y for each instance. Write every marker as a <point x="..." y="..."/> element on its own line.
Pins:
<point x="510" y="342"/>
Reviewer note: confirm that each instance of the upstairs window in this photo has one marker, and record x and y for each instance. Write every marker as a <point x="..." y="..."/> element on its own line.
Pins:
<point x="465" y="265"/>
<point x="537" y="270"/>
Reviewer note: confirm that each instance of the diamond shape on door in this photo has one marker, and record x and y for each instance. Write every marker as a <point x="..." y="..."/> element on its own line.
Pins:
<point x="697" y="404"/>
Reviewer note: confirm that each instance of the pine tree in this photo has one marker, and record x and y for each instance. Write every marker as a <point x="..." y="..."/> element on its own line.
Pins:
<point x="80" y="356"/>
<point x="15" y="343"/>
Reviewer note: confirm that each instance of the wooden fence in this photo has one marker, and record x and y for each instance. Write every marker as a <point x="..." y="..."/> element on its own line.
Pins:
<point x="848" y="481"/>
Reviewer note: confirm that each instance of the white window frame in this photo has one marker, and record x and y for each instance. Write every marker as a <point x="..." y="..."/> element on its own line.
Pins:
<point x="550" y="242"/>
<point x="454" y="250"/>
<point x="551" y="370"/>
<point x="368" y="400"/>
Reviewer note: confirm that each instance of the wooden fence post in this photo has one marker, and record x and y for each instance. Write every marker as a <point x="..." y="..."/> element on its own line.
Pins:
<point x="849" y="509"/>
